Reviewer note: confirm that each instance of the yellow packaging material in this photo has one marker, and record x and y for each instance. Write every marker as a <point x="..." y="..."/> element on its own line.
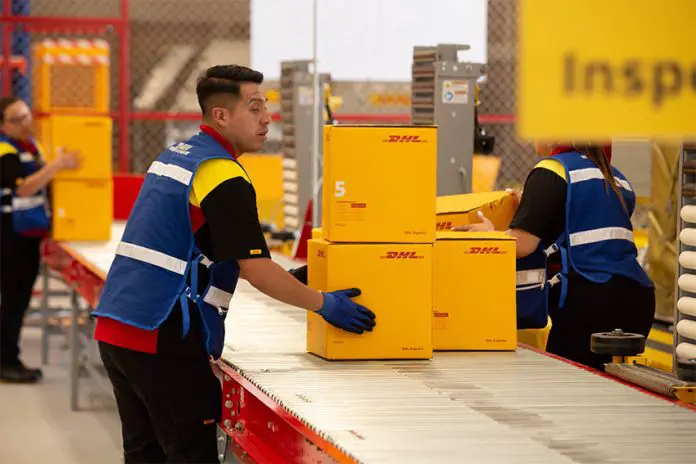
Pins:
<point x="474" y="291"/>
<point x="459" y="210"/>
<point x="536" y="338"/>
<point x="266" y="173"/>
<point x="396" y="284"/>
<point x="82" y="209"/>
<point x="379" y="184"/>
<point x="90" y="135"/>
<point x="316" y="232"/>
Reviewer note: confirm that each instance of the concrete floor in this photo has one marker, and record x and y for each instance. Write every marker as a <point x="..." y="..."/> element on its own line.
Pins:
<point x="37" y="425"/>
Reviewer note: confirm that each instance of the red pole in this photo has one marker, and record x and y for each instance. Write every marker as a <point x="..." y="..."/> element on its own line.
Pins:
<point x="124" y="90"/>
<point x="7" y="48"/>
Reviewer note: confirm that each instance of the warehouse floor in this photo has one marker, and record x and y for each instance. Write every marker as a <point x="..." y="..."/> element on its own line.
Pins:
<point x="37" y="425"/>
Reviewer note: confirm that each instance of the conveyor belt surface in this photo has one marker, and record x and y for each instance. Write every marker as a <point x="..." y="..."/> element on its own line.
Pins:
<point x="520" y="407"/>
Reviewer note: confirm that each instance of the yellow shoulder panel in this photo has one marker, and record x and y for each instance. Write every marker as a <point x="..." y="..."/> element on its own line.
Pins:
<point x="212" y="173"/>
<point x="7" y="149"/>
<point x="554" y="166"/>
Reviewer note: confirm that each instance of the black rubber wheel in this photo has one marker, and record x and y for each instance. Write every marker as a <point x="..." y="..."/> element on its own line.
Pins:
<point x="686" y="371"/>
<point x="617" y="343"/>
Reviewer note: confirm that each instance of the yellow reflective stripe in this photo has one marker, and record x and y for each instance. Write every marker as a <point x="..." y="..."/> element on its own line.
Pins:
<point x="554" y="166"/>
<point x="7" y="149"/>
<point x="212" y="173"/>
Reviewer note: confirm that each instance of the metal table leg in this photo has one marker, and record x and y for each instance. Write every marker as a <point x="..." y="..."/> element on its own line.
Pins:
<point x="44" y="314"/>
<point x="75" y="349"/>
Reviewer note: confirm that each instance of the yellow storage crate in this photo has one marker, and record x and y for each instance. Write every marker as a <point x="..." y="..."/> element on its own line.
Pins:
<point x="266" y="173"/>
<point x="90" y="135"/>
<point x="396" y="284"/>
<point x="82" y="209"/>
<point x="379" y="184"/>
<point x="71" y="76"/>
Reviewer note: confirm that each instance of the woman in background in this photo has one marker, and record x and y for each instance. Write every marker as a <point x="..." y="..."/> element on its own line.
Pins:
<point x="574" y="220"/>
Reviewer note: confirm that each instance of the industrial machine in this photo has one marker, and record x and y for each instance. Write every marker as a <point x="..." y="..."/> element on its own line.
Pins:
<point x="444" y="94"/>
<point x="625" y="348"/>
<point x="297" y="113"/>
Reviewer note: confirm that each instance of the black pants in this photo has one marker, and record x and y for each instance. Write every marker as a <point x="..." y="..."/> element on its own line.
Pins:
<point x="19" y="267"/>
<point x="590" y="308"/>
<point x="169" y="402"/>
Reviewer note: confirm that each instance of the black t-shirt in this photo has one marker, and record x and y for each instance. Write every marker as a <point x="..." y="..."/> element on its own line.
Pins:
<point x="542" y="206"/>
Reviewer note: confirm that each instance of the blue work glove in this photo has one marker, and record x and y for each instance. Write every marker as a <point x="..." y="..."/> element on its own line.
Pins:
<point x="342" y="312"/>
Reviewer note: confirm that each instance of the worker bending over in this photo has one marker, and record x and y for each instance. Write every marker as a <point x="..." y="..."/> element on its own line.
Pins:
<point x="24" y="221"/>
<point x="193" y="231"/>
<point x="573" y="225"/>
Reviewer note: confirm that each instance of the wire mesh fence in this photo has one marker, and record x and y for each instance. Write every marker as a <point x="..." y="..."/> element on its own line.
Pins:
<point x="154" y="57"/>
<point x="499" y="92"/>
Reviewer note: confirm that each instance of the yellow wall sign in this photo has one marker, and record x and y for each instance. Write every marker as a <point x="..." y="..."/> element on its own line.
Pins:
<point x="596" y="69"/>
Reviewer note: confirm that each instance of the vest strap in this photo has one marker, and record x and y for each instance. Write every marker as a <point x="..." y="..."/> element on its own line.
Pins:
<point x="154" y="257"/>
<point x="600" y="235"/>
<point x="581" y="175"/>
<point x="185" y="315"/>
<point x="26" y="203"/>
<point x="171" y="171"/>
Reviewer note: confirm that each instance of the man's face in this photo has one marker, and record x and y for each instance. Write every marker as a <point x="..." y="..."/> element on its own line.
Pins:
<point x="245" y="123"/>
<point x="18" y="123"/>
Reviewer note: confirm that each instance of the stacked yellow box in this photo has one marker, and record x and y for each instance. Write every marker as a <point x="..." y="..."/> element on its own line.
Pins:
<point x="459" y="210"/>
<point x="377" y="234"/>
<point x="71" y="88"/>
<point x="474" y="292"/>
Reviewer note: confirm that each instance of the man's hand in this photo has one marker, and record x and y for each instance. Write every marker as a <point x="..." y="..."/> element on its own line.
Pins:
<point x="67" y="160"/>
<point x="484" y="226"/>
<point x="342" y="312"/>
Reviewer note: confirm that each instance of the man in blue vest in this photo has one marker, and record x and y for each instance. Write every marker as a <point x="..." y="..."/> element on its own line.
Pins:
<point x="24" y="221"/>
<point x="194" y="230"/>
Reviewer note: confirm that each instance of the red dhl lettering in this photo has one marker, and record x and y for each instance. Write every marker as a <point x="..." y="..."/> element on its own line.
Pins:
<point x="401" y="255"/>
<point x="404" y="139"/>
<point x="321" y="254"/>
<point x="444" y="225"/>
<point x="485" y="251"/>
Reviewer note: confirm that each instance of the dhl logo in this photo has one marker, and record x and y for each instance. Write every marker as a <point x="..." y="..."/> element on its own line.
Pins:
<point x="485" y="251"/>
<point x="401" y="255"/>
<point x="321" y="254"/>
<point x="444" y="225"/>
<point x="404" y="139"/>
<point x="390" y="99"/>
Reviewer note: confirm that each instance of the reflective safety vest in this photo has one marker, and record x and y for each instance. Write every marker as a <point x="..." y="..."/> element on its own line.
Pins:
<point x="597" y="243"/>
<point x="30" y="215"/>
<point x="157" y="262"/>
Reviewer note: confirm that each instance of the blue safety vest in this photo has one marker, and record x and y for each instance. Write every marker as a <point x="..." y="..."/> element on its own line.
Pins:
<point x="597" y="243"/>
<point x="157" y="262"/>
<point x="30" y="214"/>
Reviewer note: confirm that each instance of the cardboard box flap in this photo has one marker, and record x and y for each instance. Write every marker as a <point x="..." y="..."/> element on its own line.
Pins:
<point x="467" y="202"/>
<point x="493" y="235"/>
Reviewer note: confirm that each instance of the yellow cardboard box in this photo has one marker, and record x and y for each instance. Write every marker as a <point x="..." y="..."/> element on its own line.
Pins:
<point x="379" y="184"/>
<point x="474" y="291"/>
<point x="82" y="209"/>
<point x="90" y="135"/>
<point x="396" y="284"/>
<point x="459" y="210"/>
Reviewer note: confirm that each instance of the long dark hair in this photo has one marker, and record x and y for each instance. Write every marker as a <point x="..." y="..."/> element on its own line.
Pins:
<point x="596" y="154"/>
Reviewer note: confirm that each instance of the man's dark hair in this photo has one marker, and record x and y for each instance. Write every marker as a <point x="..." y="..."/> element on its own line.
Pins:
<point x="4" y="103"/>
<point x="221" y="83"/>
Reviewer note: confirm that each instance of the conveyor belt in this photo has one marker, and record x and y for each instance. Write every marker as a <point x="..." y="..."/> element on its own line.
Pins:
<point x="520" y="407"/>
